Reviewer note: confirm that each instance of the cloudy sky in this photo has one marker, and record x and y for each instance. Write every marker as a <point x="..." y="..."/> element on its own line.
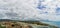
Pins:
<point x="30" y="9"/>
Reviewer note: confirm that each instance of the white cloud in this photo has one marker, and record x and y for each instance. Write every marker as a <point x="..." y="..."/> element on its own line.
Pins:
<point x="27" y="9"/>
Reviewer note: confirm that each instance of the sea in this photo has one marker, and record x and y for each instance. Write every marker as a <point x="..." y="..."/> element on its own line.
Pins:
<point x="56" y="23"/>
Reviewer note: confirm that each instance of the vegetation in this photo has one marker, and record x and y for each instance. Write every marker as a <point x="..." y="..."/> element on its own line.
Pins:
<point x="35" y="22"/>
<point x="29" y="22"/>
<point x="2" y="26"/>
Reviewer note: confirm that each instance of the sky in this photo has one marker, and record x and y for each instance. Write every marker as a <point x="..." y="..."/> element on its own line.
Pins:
<point x="30" y="9"/>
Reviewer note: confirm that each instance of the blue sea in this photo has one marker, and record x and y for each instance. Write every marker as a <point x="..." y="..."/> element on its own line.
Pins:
<point x="56" y="23"/>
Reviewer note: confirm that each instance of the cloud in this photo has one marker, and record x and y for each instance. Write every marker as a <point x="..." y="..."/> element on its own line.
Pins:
<point x="26" y="9"/>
